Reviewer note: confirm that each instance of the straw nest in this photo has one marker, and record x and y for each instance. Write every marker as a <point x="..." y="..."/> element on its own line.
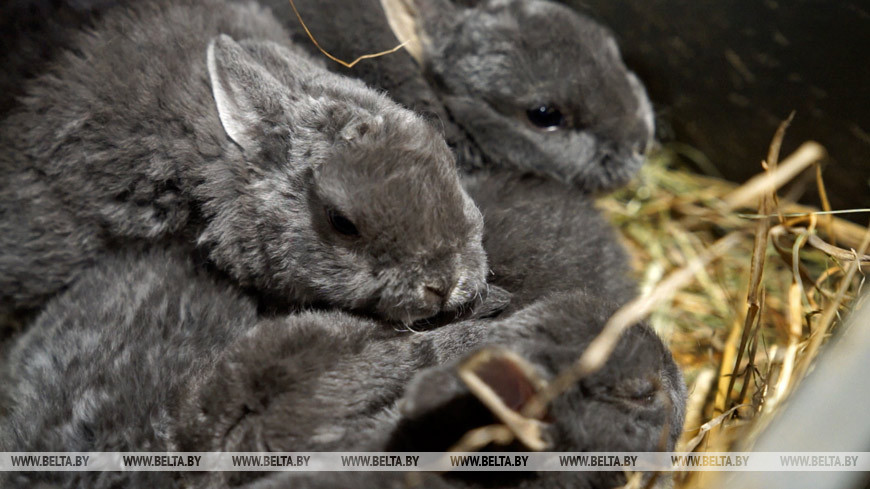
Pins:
<point x="744" y="301"/>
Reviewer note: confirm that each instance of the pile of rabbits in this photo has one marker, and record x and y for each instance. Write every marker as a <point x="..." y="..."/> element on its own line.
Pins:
<point x="218" y="244"/>
<point x="148" y="353"/>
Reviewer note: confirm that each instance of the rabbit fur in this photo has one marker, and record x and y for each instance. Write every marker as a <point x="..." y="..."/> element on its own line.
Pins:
<point x="195" y="122"/>
<point x="150" y="353"/>
<point x="542" y="236"/>
<point x="530" y="85"/>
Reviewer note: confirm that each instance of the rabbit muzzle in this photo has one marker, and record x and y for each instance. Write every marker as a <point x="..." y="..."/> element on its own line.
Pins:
<point x="430" y="297"/>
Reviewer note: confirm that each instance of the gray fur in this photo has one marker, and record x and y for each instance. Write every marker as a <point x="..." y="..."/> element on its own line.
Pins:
<point x="484" y="66"/>
<point x="157" y="126"/>
<point x="30" y="33"/>
<point x="102" y="367"/>
<point x="325" y="383"/>
<point x="149" y="353"/>
<point x="542" y="236"/>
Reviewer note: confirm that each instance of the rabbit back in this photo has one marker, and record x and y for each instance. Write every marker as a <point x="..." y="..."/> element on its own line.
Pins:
<point x="542" y="236"/>
<point x="101" y="367"/>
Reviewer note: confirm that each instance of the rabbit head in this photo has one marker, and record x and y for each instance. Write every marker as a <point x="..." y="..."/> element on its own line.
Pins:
<point x="634" y="403"/>
<point x="538" y="87"/>
<point x="356" y="202"/>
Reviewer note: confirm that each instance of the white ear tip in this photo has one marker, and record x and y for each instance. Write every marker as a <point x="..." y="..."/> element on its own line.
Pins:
<point x="223" y="39"/>
<point x="222" y="42"/>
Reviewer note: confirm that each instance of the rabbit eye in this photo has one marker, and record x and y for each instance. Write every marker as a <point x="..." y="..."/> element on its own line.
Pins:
<point x="644" y="398"/>
<point x="637" y="391"/>
<point x="341" y="224"/>
<point x="546" y="117"/>
<point x="644" y="394"/>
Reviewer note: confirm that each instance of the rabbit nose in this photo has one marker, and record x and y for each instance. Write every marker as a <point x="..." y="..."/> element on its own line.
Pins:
<point x="436" y="293"/>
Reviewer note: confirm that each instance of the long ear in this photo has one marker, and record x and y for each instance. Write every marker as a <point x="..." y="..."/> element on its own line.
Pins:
<point x="288" y="64"/>
<point x="500" y="380"/>
<point x="246" y="94"/>
<point x="505" y="383"/>
<point x="419" y="22"/>
<point x="403" y="19"/>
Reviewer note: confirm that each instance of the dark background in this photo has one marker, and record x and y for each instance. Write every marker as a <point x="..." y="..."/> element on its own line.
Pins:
<point x="724" y="74"/>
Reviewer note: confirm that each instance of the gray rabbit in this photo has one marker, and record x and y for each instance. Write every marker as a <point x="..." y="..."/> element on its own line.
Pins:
<point x="543" y="236"/>
<point x="102" y="366"/>
<point x="156" y="126"/>
<point x="319" y="382"/>
<point x="525" y="84"/>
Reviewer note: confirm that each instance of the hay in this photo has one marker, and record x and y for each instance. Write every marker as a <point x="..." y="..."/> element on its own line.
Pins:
<point x="747" y="329"/>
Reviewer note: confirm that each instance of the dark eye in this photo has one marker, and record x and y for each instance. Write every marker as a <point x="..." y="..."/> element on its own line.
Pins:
<point x="644" y="399"/>
<point x="642" y="393"/>
<point x="340" y="223"/>
<point x="546" y="117"/>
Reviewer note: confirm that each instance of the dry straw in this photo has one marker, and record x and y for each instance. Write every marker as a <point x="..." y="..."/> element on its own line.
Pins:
<point x="748" y="330"/>
<point x="746" y="302"/>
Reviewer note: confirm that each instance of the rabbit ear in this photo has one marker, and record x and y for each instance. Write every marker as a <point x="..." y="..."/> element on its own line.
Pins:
<point x="403" y="19"/>
<point x="419" y="22"/>
<point x="287" y="64"/>
<point x="505" y="382"/>
<point x="245" y="93"/>
<point x="491" y="379"/>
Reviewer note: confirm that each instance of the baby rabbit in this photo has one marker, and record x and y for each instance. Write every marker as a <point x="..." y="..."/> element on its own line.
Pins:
<point x="158" y="126"/>
<point x="319" y="382"/>
<point x="101" y="367"/>
<point x="525" y="84"/>
<point x="543" y="236"/>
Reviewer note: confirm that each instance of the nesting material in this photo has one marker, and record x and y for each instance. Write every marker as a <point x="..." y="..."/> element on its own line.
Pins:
<point x="747" y="326"/>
